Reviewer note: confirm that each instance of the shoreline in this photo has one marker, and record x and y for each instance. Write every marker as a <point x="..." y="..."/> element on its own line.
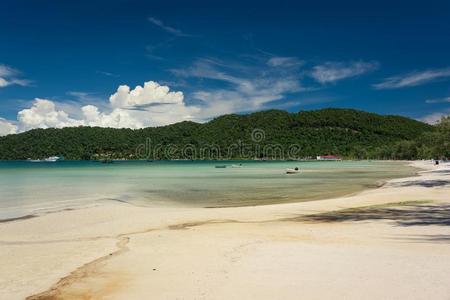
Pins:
<point x="164" y="241"/>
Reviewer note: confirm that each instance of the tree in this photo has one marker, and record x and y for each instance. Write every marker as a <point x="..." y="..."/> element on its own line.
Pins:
<point x="443" y="138"/>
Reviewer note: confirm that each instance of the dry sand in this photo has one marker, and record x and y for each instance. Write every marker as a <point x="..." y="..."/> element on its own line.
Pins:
<point x="389" y="243"/>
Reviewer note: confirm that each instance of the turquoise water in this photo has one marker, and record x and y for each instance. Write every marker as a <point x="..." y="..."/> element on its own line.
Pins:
<point x="34" y="188"/>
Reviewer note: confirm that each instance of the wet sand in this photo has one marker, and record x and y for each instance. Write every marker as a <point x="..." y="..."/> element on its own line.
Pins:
<point x="391" y="242"/>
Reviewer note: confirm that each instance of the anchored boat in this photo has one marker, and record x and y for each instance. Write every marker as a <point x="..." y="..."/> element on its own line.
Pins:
<point x="292" y="171"/>
<point x="48" y="159"/>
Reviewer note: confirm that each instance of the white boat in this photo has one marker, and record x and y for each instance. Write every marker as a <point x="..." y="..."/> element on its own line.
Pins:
<point x="52" y="159"/>
<point x="34" y="160"/>
<point x="292" y="171"/>
<point x="48" y="159"/>
<point x="328" y="157"/>
<point x="237" y="166"/>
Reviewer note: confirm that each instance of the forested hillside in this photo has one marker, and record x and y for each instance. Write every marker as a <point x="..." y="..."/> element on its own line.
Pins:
<point x="345" y="132"/>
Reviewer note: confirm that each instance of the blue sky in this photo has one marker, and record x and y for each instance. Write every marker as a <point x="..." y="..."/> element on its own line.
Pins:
<point x="61" y="62"/>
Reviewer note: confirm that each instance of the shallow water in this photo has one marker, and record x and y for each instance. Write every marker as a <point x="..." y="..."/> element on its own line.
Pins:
<point x="33" y="188"/>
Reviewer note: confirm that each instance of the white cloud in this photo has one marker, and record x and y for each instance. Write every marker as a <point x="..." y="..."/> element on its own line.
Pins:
<point x="91" y="113"/>
<point x="83" y="97"/>
<point x="109" y="74"/>
<point x="246" y="89"/>
<point x="438" y="100"/>
<point x="238" y="88"/>
<point x="148" y="105"/>
<point x="282" y="61"/>
<point x="169" y="29"/>
<point x="330" y="72"/>
<point x="413" y="79"/>
<point x="117" y="118"/>
<point x="208" y="69"/>
<point x="242" y="89"/>
<point x="76" y="99"/>
<point x="3" y="82"/>
<point x="6" y="71"/>
<point x="433" y="118"/>
<point x="8" y="76"/>
<point x="43" y="114"/>
<point x="7" y="127"/>
<point x="151" y="93"/>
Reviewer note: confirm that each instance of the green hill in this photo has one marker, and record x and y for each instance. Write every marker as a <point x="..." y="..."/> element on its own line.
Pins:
<point x="345" y="132"/>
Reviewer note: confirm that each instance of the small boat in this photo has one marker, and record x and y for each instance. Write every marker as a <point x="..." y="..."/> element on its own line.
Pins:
<point x="52" y="159"/>
<point x="220" y="166"/>
<point x="292" y="171"/>
<point x="34" y="160"/>
<point x="237" y="166"/>
<point x="48" y="159"/>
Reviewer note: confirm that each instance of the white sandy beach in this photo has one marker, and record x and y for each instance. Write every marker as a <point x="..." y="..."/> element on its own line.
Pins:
<point x="308" y="250"/>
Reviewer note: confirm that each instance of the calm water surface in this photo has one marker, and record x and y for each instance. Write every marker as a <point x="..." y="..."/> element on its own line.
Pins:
<point x="34" y="188"/>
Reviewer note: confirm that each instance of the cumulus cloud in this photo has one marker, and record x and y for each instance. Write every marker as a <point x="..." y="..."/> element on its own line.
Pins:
<point x="7" y="127"/>
<point x="9" y="76"/>
<point x="117" y="118"/>
<point x="43" y="114"/>
<point x="236" y="88"/>
<point x="434" y="118"/>
<point x="330" y="72"/>
<point x="239" y="89"/>
<point x="413" y="79"/>
<point x="148" y="105"/>
<point x="150" y="93"/>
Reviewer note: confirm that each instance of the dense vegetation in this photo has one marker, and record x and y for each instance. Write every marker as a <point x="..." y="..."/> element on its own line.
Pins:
<point x="270" y="134"/>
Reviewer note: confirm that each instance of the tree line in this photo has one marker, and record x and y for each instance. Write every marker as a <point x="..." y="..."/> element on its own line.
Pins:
<point x="344" y="132"/>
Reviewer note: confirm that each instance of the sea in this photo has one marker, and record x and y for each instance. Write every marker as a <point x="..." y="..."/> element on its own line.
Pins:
<point x="36" y="188"/>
